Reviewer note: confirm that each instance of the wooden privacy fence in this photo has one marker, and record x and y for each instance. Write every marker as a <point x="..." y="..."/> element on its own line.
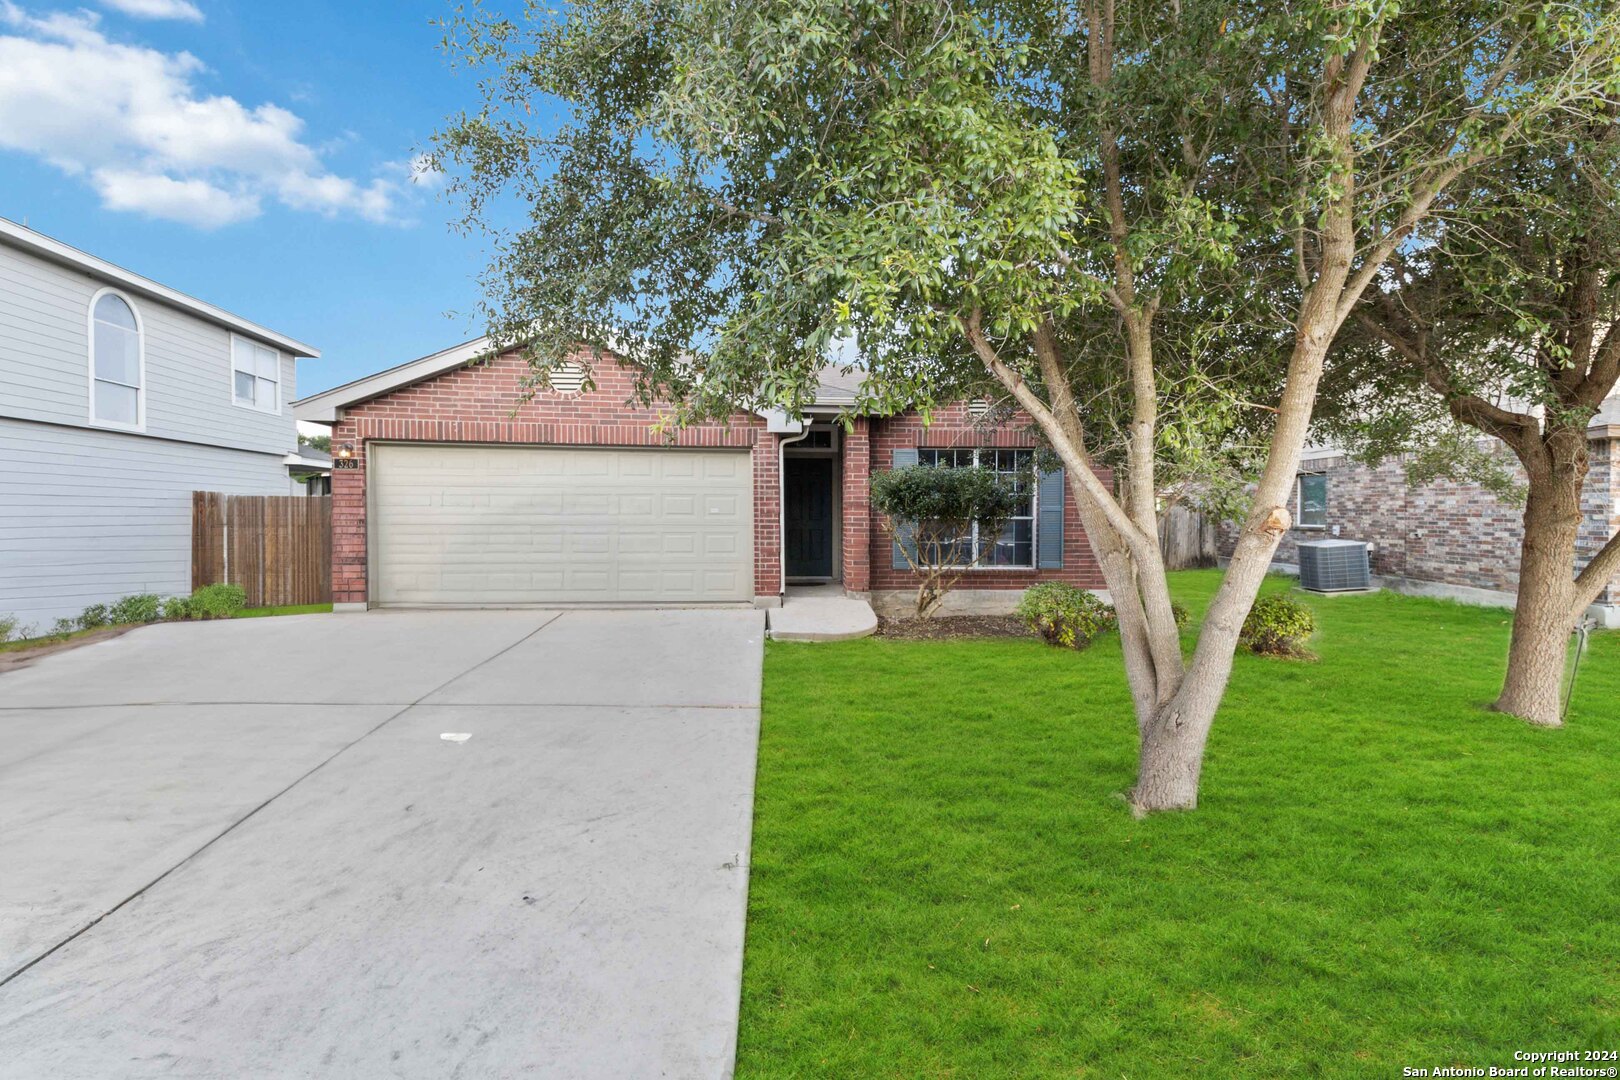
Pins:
<point x="1186" y="538"/>
<point x="277" y="547"/>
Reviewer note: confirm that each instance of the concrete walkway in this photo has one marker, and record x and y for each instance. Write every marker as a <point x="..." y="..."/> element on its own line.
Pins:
<point x="821" y="613"/>
<point x="246" y="850"/>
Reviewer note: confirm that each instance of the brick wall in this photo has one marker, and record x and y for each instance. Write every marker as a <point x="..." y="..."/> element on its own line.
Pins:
<point x="483" y="404"/>
<point x="857" y="507"/>
<point x="953" y="427"/>
<point x="1600" y="502"/>
<point x="1446" y="532"/>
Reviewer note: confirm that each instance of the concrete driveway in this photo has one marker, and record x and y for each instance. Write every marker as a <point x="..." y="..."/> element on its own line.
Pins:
<point x="243" y="849"/>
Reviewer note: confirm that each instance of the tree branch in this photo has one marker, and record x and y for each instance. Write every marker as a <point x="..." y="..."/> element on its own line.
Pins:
<point x="1592" y="580"/>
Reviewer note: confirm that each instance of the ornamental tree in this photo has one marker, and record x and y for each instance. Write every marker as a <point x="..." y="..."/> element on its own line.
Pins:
<point x="1066" y="202"/>
<point x="944" y="521"/>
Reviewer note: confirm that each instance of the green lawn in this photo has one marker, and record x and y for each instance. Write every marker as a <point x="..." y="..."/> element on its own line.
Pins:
<point x="946" y="882"/>
<point x="246" y="613"/>
<point x="293" y="609"/>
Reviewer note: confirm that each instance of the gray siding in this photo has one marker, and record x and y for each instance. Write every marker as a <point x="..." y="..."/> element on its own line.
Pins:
<point x="88" y="516"/>
<point x="44" y="362"/>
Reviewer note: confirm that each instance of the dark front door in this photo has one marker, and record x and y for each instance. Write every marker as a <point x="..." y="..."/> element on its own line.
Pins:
<point x="808" y="492"/>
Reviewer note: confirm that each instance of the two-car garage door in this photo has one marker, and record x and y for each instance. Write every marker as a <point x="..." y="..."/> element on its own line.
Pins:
<point x="505" y="525"/>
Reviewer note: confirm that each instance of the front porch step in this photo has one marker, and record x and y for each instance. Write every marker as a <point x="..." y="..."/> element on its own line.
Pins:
<point x="820" y="613"/>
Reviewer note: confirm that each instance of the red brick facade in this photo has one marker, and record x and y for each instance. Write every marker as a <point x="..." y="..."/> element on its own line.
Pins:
<point x="952" y="427"/>
<point x="1445" y="532"/>
<point x="482" y="403"/>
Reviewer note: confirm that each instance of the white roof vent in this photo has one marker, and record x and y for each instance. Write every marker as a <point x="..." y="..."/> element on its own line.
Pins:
<point x="979" y="408"/>
<point x="566" y="378"/>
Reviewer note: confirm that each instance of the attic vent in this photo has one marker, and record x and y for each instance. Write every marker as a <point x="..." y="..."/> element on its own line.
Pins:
<point x="979" y="408"/>
<point x="567" y="377"/>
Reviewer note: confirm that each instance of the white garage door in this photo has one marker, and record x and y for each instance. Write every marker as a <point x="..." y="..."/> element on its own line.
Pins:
<point x="485" y="525"/>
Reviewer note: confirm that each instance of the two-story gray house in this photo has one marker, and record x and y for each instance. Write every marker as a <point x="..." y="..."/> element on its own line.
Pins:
<point x="119" y="397"/>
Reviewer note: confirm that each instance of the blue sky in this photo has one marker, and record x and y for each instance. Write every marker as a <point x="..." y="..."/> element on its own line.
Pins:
<point x="257" y="155"/>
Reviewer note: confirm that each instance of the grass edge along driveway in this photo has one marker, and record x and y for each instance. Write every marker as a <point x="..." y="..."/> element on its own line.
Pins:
<point x="945" y="881"/>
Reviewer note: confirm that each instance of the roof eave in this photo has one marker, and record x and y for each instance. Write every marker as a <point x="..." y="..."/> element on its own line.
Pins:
<point x="26" y="239"/>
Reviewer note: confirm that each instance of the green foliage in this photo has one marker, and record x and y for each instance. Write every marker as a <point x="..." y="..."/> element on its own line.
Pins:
<point x="945" y="883"/>
<point x="64" y="628"/>
<point x="1279" y="625"/>
<point x="176" y="608"/>
<point x="93" y="617"/>
<point x="323" y="443"/>
<point x="930" y="512"/>
<point x="1179" y="612"/>
<point x="8" y="627"/>
<point x="140" y="608"/>
<point x="217" y="601"/>
<point x="954" y="497"/>
<point x="1064" y="615"/>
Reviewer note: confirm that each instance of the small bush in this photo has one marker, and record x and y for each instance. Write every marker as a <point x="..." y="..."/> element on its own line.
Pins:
<point x="140" y="608"/>
<point x="63" y="628"/>
<point x="218" y="601"/>
<point x="1180" y="614"/>
<point x="175" y="608"/>
<point x="8" y="627"/>
<point x="1064" y="615"/>
<point x="1278" y="626"/>
<point x="93" y="617"/>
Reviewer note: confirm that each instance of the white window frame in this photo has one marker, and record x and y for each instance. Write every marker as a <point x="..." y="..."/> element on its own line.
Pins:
<point x="90" y="363"/>
<point x="1299" y="502"/>
<point x="1034" y="510"/>
<point x="280" y="377"/>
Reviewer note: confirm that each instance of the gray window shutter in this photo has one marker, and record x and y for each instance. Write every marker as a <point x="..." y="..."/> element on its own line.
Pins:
<point x="902" y="458"/>
<point x="1049" y="521"/>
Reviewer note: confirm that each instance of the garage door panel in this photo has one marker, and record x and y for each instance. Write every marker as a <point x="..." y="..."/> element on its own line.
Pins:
<point x="522" y="525"/>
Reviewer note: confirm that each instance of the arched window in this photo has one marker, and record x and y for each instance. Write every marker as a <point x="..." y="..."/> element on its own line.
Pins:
<point x="117" y="367"/>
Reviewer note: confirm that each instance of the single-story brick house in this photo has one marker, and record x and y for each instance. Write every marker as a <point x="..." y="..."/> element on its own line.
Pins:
<point x="450" y="489"/>
<point x="1448" y="539"/>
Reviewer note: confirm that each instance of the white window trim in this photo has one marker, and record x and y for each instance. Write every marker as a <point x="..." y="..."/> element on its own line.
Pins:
<point x="1034" y="518"/>
<point x="231" y="383"/>
<point x="1299" y="503"/>
<point x="90" y="363"/>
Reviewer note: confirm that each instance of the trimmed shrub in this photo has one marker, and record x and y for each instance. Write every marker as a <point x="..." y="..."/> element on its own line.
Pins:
<point x="1278" y="626"/>
<point x="217" y="601"/>
<point x="1180" y="614"/>
<point x="1064" y="615"/>
<point x="93" y="617"/>
<point x="140" y="608"/>
<point x="929" y="511"/>
<point x="175" y="608"/>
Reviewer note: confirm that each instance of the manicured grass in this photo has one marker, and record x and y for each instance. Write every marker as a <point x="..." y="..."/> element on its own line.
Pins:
<point x="946" y="882"/>
<point x="291" y="609"/>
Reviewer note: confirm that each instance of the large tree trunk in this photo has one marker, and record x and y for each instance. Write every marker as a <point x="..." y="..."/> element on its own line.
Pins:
<point x="1544" y="613"/>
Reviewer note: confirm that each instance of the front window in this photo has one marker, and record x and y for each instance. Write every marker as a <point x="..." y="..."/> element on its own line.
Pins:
<point x="1015" y="546"/>
<point x="116" y="374"/>
<point x="1313" y="502"/>
<point x="256" y="375"/>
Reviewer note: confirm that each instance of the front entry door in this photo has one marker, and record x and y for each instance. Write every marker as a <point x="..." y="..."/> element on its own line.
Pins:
<point x="808" y="491"/>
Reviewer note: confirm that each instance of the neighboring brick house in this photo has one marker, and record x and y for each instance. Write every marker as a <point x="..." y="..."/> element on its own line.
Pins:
<point x="1444" y="538"/>
<point x="450" y="489"/>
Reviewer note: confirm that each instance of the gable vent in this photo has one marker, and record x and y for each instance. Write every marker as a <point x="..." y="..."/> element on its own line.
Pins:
<point x="566" y="378"/>
<point x="978" y="408"/>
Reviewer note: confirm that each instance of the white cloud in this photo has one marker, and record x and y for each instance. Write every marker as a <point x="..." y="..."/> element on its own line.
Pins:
<point x="133" y="122"/>
<point x="157" y="9"/>
<point x="194" y="201"/>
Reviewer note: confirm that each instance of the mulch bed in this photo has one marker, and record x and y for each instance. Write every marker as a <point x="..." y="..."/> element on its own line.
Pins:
<point x="945" y="627"/>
